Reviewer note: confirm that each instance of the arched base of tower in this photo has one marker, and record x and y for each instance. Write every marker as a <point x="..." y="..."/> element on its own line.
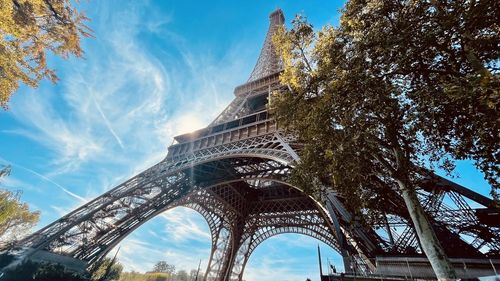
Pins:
<point x="250" y="214"/>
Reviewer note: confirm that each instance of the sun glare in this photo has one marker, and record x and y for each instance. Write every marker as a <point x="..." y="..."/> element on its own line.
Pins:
<point x="189" y="123"/>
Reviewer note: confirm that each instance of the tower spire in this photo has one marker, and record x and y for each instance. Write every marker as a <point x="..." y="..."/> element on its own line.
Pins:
<point x="268" y="62"/>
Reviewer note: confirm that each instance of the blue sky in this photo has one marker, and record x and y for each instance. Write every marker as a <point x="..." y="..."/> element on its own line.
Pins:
<point x="154" y="70"/>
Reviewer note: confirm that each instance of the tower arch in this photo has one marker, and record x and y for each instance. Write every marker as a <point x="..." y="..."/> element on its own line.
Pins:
<point x="237" y="167"/>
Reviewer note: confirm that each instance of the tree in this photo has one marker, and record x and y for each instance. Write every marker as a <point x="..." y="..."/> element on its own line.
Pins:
<point x="15" y="217"/>
<point x="5" y="171"/>
<point x="182" y="275"/>
<point x="30" y="28"/>
<point x="157" y="276"/>
<point x="194" y="275"/>
<point x="444" y="57"/>
<point x="163" y="266"/>
<point x="108" y="270"/>
<point x="360" y="98"/>
<point x="42" y="272"/>
<point x="133" y="276"/>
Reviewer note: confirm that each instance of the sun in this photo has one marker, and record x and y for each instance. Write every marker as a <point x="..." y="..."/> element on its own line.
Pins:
<point x="189" y="123"/>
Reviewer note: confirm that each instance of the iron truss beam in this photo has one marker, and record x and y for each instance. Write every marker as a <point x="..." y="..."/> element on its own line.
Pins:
<point x="235" y="174"/>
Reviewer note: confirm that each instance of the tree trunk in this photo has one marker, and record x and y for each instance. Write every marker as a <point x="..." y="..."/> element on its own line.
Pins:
<point x="428" y="240"/>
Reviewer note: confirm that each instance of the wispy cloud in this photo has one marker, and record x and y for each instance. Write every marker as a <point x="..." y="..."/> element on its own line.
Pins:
<point x="182" y="226"/>
<point x="269" y="262"/>
<point x="268" y="271"/>
<point x="115" y="113"/>
<point x="70" y="142"/>
<point x="138" y="255"/>
<point x="62" y="188"/>
<point x="162" y="239"/>
<point x="108" y="125"/>
<point x="120" y="103"/>
<point x="12" y="183"/>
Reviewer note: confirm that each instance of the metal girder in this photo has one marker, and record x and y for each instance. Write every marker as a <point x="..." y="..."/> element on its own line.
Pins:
<point x="455" y="222"/>
<point x="121" y="209"/>
<point x="235" y="174"/>
<point x="241" y="216"/>
<point x="250" y="187"/>
<point x="268" y="62"/>
<point x="231" y="111"/>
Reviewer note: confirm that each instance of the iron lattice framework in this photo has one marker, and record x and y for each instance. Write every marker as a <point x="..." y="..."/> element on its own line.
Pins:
<point x="234" y="173"/>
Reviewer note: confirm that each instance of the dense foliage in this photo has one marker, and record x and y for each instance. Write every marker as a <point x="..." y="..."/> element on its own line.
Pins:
<point x="16" y="219"/>
<point x="107" y="270"/>
<point x="162" y="271"/>
<point x="28" y="30"/>
<point x="443" y="58"/>
<point x="137" y="276"/>
<point x="30" y="271"/>
<point x="163" y="266"/>
<point x="182" y="275"/>
<point x="398" y="86"/>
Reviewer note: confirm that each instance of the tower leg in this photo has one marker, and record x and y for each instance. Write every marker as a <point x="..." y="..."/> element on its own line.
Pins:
<point x="240" y="261"/>
<point x="227" y="258"/>
<point x="218" y="256"/>
<point x="232" y="258"/>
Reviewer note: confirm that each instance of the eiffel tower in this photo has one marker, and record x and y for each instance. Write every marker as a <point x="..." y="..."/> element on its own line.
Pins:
<point x="235" y="174"/>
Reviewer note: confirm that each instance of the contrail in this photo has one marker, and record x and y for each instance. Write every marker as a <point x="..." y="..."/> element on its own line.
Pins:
<point x="108" y="125"/>
<point x="76" y="196"/>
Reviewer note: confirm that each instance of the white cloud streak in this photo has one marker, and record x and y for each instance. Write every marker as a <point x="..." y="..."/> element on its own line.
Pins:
<point x="118" y="110"/>
<point x="62" y="188"/>
<point x="108" y="125"/>
<point x="122" y="99"/>
<point x="181" y="226"/>
<point x="173" y="242"/>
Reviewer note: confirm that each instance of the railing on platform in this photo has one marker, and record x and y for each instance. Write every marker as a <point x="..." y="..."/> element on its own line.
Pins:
<point x="420" y="268"/>
<point x="243" y="128"/>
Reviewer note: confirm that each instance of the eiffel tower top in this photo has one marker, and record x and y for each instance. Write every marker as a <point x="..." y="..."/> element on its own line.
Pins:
<point x="268" y="62"/>
<point x="251" y="97"/>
